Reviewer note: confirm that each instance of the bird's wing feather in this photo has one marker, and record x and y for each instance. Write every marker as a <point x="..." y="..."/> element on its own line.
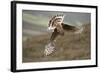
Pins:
<point x="69" y="27"/>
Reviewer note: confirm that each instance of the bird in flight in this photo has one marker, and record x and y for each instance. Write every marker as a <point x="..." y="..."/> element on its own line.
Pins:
<point x="58" y="27"/>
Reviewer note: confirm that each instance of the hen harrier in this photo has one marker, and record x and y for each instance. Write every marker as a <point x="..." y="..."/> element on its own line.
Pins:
<point x="58" y="28"/>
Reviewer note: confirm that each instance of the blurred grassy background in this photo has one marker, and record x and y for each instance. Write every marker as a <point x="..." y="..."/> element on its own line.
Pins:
<point x="68" y="47"/>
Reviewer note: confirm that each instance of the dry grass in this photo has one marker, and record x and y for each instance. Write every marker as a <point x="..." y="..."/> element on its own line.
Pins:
<point x="69" y="47"/>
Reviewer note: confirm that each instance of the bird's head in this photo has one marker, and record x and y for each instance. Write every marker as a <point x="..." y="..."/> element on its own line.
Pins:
<point x="55" y="21"/>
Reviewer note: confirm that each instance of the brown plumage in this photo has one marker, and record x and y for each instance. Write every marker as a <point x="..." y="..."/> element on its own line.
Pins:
<point x="65" y="27"/>
<point x="56" y="24"/>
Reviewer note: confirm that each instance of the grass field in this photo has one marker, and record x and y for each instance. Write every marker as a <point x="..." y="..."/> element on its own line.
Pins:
<point x="69" y="47"/>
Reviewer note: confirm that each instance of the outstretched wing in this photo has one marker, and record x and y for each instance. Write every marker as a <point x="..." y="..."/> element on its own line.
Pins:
<point x="75" y="29"/>
<point x="55" y="20"/>
<point x="68" y="27"/>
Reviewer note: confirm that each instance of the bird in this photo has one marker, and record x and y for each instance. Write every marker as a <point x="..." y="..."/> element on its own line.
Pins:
<point x="58" y="27"/>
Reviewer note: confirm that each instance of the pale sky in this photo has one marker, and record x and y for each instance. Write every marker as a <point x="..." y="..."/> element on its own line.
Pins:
<point x="43" y="17"/>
